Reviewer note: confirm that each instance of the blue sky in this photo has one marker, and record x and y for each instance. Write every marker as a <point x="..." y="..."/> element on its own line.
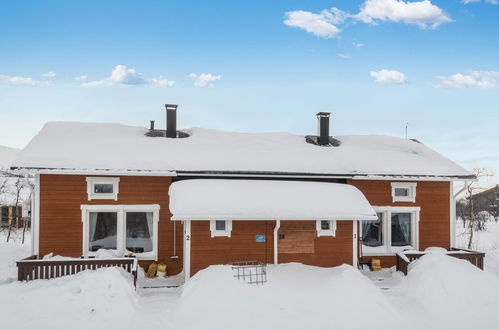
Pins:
<point x="259" y="66"/>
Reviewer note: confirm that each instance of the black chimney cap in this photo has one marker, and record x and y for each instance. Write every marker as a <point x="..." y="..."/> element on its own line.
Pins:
<point x="171" y="106"/>
<point x="323" y="114"/>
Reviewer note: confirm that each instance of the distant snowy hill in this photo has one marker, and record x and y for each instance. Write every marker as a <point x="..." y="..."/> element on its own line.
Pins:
<point x="7" y="156"/>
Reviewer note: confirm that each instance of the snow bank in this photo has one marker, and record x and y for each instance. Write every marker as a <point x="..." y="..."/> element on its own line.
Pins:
<point x="10" y="252"/>
<point x="100" y="299"/>
<point x="492" y="262"/>
<point x="91" y="146"/>
<point x="256" y="199"/>
<point x="440" y="288"/>
<point x="295" y="297"/>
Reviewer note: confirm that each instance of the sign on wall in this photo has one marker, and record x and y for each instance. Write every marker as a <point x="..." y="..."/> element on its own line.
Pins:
<point x="260" y="238"/>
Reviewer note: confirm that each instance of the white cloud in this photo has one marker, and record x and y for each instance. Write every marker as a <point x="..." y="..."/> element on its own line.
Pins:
<point x="493" y="2"/>
<point x="130" y="77"/>
<point x="422" y="13"/>
<point x="345" y="56"/>
<point x="358" y="45"/>
<point x="389" y="77"/>
<point x="322" y="25"/>
<point x="204" y="79"/>
<point x="162" y="82"/>
<point x="472" y="78"/>
<point x="81" y="78"/>
<point x="19" y="81"/>
<point x="50" y="74"/>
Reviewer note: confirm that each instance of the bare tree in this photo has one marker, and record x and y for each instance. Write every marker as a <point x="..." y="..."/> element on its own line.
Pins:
<point x="473" y="210"/>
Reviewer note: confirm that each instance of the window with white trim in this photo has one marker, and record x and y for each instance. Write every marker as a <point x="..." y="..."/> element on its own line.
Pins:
<point x="102" y="188"/>
<point x="395" y="230"/>
<point x="220" y="228"/>
<point x="404" y="191"/>
<point x="124" y="228"/>
<point x="326" y="228"/>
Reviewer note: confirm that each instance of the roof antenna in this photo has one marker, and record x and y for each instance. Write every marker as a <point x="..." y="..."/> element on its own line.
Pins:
<point x="406" y="128"/>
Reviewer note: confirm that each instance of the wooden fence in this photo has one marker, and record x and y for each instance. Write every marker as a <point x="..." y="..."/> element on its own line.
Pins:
<point x="33" y="268"/>
<point x="404" y="259"/>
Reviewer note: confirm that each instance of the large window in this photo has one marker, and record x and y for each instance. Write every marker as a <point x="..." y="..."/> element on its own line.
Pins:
<point x="124" y="228"/>
<point x="395" y="230"/>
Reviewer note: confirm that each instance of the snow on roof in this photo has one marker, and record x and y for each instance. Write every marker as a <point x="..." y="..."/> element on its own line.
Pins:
<point x="7" y="156"/>
<point x="116" y="147"/>
<point x="215" y="199"/>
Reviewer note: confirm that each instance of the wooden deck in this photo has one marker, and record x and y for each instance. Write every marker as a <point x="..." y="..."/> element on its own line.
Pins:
<point x="33" y="268"/>
<point x="474" y="257"/>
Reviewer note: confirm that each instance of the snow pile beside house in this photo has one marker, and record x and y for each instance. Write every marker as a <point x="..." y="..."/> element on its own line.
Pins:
<point x="492" y="262"/>
<point x="443" y="289"/>
<point x="295" y="297"/>
<point x="10" y="252"/>
<point x="100" y="299"/>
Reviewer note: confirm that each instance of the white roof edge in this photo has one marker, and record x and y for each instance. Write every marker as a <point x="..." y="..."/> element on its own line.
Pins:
<point x="197" y="217"/>
<point x="100" y="172"/>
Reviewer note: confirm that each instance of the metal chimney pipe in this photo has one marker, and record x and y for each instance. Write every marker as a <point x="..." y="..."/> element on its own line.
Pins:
<point x="171" y="120"/>
<point x="151" y="128"/>
<point x="323" y="128"/>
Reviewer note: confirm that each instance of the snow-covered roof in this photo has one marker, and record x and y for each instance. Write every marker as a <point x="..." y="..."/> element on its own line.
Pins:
<point x="7" y="156"/>
<point x="116" y="147"/>
<point x="216" y="199"/>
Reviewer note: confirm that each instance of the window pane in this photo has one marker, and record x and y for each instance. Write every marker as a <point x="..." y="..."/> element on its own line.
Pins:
<point x="325" y="225"/>
<point x="403" y="192"/>
<point x="103" y="188"/>
<point x="220" y="225"/>
<point x="139" y="231"/>
<point x="372" y="232"/>
<point x="401" y="229"/>
<point x="102" y="230"/>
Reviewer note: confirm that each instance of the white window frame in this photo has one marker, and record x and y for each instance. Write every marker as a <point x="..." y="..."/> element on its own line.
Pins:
<point x="411" y="188"/>
<point x="326" y="232"/>
<point x="92" y="181"/>
<point x="387" y="248"/>
<point x="121" y="211"/>
<point x="220" y="233"/>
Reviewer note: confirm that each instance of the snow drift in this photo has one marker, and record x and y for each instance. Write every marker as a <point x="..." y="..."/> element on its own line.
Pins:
<point x="295" y="297"/>
<point x="445" y="289"/>
<point x="100" y="299"/>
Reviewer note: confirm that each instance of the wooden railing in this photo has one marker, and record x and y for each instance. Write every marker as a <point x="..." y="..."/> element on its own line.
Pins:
<point x="404" y="259"/>
<point x="33" y="268"/>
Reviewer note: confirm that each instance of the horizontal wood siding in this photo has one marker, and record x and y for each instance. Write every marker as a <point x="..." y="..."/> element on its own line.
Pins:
<point x="61" y="228"/>
<point x="241" y="246"/>
<point x="434" y="199"/>
<point x="327" y="251"/>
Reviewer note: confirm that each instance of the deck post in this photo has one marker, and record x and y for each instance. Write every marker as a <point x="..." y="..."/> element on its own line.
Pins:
<point x="355" y="244"/>
<point x="187" y="249"/>
<point x="276" y="241"/>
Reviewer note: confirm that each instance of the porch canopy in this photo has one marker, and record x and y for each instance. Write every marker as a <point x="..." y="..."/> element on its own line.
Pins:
<point x="218" y="199"/>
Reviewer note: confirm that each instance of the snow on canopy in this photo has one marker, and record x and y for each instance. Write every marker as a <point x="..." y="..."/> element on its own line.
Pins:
<point x="204" y="199"/>
<point x="109" y="146"/>
<point x="7" y="156"/>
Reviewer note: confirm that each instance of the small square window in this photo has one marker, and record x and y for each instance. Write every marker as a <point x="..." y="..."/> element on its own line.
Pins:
<point x="401" y="192"/>
<point x="326" y="228"/>
<point x="404" y="191"/>
<point x="219" y="225"/>
<point x="102" y="188"/>
<point x="220" y="228"/>
<point x="325" y="225"/>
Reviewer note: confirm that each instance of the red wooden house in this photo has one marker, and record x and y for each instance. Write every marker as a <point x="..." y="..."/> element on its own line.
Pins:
<point x="198" y="197"/>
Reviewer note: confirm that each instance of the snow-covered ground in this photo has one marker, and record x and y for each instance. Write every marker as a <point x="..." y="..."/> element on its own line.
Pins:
<point x="10" y="252"/>
<point x="440" y="292"/>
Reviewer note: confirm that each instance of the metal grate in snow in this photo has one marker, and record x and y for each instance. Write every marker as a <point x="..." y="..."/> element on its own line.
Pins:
<point x="252" y="272"/>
